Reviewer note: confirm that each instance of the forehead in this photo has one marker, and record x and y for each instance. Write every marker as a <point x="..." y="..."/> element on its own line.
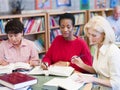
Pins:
<point x="93" y="31"/>
<point x="66" y="21"/>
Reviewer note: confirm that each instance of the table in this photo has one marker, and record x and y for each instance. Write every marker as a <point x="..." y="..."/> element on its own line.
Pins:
<point x="43" y="79"/>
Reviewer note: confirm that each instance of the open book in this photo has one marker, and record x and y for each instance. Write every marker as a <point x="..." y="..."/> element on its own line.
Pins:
<point x="13" y="66"/>
<point x="53" y="70"/>
<point x="69" y="83"/>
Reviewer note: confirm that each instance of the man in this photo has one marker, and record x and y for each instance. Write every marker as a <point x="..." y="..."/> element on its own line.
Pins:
<point x="115" y="22"/>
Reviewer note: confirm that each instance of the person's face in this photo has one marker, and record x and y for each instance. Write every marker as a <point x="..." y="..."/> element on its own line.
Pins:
<point x="66" y="28"/>
<point x="15" y="39"/>
<point x="117" y="13"/>
<point x="95" y="38"/>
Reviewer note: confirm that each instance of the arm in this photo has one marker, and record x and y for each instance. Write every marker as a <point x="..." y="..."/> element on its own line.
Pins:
<point x="85" y="57"/>
<point x="34" y="59"/>
<point x="2" y="56"/>
<point x="91" y="79"/>
<point x="77" y="60"/>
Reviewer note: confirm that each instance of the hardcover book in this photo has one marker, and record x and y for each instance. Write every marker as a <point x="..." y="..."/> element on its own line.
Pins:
<point x="17" y="80"/>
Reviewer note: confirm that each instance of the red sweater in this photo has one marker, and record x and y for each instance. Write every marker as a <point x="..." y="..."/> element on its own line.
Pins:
<point x="63" y="50"/>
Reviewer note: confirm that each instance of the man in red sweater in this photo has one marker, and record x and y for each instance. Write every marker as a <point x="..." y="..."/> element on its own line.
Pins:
<point x="65" y="46"/>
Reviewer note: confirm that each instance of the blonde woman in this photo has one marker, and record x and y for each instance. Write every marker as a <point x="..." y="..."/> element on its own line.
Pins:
<point x="106" y="58"/>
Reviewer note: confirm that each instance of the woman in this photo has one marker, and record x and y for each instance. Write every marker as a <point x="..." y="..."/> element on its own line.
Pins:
<point x="16" y="48"/>
<point x="106" y="57"/>
<point x="67" y="45"/>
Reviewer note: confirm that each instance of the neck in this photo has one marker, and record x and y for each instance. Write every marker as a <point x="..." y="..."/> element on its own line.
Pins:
<point x="70" y="38"/>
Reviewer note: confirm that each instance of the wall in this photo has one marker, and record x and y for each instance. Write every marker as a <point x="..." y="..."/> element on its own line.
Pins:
<point x="30" y="5"/>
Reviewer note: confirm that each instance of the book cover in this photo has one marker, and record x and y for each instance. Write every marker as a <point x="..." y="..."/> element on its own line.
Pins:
<point x="17" y="80"/>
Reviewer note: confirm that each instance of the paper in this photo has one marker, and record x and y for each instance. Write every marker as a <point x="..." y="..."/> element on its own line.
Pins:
<point x="53" y="70"/>
<point x="12" y="66"/>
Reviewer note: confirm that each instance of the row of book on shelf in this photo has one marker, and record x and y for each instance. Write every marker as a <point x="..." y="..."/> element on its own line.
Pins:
<point x="31" y="25"/>
<point x="79" y="19"/>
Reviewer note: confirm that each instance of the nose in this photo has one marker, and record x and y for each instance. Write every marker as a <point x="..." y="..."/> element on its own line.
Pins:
<point x="13" y="38"/>
<point x="65" y="29"/>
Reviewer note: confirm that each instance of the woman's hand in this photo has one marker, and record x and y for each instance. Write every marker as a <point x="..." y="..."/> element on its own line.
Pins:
<point x="85" y="78"/>
<point x="77" y="60"/>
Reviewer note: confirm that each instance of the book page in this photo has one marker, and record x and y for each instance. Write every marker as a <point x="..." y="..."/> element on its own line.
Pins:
<point x="53" y="70"/>
<point x="73" y="84"/>
<point x="60" y="70"/>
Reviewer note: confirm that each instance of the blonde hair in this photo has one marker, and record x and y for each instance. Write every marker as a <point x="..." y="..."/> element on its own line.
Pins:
<point x="100" y="24"/>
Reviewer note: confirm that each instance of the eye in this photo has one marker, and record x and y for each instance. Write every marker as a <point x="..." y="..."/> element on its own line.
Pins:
<point x="93" y="35"/>
<point x="62" y="27"/>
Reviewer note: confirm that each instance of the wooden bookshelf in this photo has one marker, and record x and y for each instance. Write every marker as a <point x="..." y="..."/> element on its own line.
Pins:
<point x="35" y="32"/>
<point x="53" y="17"/>
<point x="101" y="12"/>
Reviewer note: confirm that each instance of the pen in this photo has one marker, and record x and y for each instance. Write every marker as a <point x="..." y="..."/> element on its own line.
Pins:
<point x="77" y="56"/>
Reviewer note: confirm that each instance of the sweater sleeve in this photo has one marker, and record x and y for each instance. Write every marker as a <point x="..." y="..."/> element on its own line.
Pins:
<point x="87" y="57"/>
<point x="48" y="56"/>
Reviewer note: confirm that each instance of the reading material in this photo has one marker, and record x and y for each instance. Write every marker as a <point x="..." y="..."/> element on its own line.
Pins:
<point x="53" y="70"/>
<point x="12" y="66"/>
<point x="69" y="83"/>
<point x="17" y="80"/>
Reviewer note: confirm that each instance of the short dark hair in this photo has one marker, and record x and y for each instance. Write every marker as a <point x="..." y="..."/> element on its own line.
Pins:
<point x="67" y="16"/>
<point x="14" y="26"/>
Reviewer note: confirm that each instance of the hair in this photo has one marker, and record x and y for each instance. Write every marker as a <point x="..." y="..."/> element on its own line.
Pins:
<point x="67" y="16"/>
<point x="100" y="24"/>
<point x="14" y="26"/>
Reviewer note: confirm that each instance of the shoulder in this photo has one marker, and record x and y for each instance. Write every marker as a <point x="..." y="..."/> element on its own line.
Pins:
<point x="110" y="18"/>
<point x="114" y="50"/>
<point x="4" y="43"/>
<point x="58" y="38"/>
<point x="28" y="42"/>
<point x="81" y="41"/>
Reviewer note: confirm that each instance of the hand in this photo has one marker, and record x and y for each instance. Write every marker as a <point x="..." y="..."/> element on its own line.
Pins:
<point x="77" y="60"/>
<point x="3" y="62"/>
<point x="61" y="63"/>
<point x="44" y="66"/>
<point x="85" y="78"/>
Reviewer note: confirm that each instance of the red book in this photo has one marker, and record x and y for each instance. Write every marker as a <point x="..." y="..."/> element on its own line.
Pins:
<point x="17" y="80"/>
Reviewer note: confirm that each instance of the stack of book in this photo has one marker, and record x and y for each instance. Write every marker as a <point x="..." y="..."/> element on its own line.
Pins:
<point x="17" y="81"/>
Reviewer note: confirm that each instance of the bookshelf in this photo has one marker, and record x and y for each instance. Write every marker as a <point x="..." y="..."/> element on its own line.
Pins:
<point x="101" y="12"/>
<point x="35" y="28"/>
<point x="53" y="26"/>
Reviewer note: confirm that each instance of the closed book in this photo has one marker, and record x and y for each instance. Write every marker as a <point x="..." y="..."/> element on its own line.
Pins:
<point x="17" y="80"/>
